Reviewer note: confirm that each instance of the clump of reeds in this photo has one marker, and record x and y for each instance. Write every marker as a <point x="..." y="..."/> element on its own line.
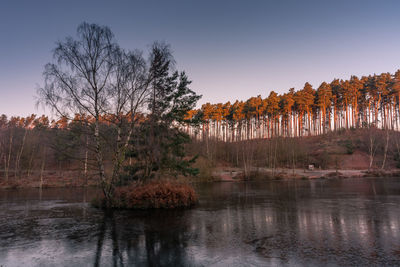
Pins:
<point x="157" y="194"/>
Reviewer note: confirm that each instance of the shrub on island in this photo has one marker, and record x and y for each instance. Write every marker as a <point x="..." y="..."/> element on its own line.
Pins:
<point x="157" y="194"/>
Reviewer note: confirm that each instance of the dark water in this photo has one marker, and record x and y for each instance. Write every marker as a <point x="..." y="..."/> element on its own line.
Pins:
<point x="292" y="223"/>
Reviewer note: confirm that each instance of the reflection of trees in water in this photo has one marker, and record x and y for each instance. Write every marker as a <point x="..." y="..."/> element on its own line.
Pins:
<point x="155" y="238"/>
<point x="286" y="222"/>
<point x="108" y="223"/>
<point x="289" y="222"/>
<point x="166" y="240"/>
<point x="351" y="223"/>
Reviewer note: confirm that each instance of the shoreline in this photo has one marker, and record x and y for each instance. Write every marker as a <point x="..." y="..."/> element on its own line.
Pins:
<point x="237" y="174"/>
<point x="50" y="181"/>
<point x="220" y="175"/>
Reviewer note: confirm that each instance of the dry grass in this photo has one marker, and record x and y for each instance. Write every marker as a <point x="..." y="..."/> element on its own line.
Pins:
<point x="158" y="194"/>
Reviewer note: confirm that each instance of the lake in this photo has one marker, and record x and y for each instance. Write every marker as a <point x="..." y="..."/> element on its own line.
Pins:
<point x="271" y="223"/>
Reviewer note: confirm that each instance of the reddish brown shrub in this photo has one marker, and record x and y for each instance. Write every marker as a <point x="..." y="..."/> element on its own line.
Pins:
<point x="160" y="194"/>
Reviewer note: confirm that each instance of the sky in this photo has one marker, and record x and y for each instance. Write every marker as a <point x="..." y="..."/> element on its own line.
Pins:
<point x="229" y="49"/>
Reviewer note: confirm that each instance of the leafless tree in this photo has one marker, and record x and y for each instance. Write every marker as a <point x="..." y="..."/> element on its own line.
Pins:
<point x="385" y="148"/>
<point x="371" y="140"/>
<point x="92" y="76"/>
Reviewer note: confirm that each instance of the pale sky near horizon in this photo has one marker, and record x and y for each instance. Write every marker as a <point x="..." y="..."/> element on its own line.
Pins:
<point x="229" y="49"/>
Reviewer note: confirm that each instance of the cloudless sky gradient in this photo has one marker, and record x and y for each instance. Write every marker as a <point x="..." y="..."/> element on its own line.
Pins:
<point x="230" y="49"/>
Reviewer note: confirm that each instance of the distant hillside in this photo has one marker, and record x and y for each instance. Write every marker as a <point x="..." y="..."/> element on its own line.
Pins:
<point x="360" y="149"/>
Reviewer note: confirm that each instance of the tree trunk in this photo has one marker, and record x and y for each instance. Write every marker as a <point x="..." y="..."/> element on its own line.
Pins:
<point x="100" y="164"/>
<point x="371" y="149"/>
<point x="86" y="160"/>
<point x="385" y="148"/>
<point x="17" y="162"/>
<point x="7" y="163"/>
<point x="42" y="168"/>
<point x="31" y="161"/>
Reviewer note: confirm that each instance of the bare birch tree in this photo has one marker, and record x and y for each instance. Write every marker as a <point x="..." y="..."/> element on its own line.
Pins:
<point x="93" y="77"/>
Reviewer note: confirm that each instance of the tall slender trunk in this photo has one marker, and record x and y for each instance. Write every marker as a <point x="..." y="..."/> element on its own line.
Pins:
<point x="5" y="169"/>
<point x="385" y="148"/>
<point x="347" y="114"/>
<point x="86" y="160"/>
<point x="19" y="155"/>
<point x="100" y="163"/>
<point x="371" y="149"/>
<point x="42" y="168"/>
<point x="31" y="161"/>
<point x="7" y="163"/>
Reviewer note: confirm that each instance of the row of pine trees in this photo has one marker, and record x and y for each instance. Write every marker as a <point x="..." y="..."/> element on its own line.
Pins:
<point x="369" y="101"/>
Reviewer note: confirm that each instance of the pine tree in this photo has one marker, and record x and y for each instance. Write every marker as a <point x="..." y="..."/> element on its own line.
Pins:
<point x="158" y="148"/>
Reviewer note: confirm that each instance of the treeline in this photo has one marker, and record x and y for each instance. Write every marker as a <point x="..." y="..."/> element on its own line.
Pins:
<point x="355" y="103"/>
<point x="32" y="145"/>
<point x="35" y="145"/>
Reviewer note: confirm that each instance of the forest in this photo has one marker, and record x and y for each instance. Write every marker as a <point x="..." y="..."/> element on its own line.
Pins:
<point x="123" y="117"/>
<point x="277" y="125"/>
<point x="369" y="101"/>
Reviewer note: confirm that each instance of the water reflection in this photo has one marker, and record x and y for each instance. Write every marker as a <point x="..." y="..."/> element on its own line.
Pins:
<point x="143" y="239"/>
<point x="302" y="223"/>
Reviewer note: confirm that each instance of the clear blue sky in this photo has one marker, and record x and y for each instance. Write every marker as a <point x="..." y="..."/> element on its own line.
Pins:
<point x="230" y="49"/>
